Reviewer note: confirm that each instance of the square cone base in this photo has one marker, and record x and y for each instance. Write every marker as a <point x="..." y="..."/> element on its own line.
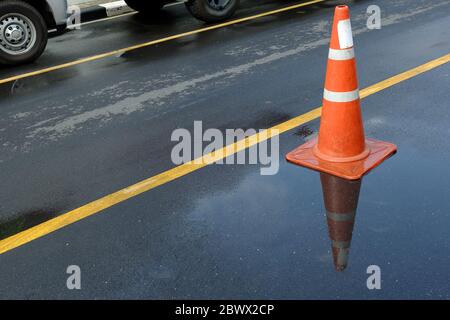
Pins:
<point x="379" y="151"/>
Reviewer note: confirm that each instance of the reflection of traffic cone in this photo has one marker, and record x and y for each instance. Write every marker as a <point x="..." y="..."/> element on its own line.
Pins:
<point x="341" y="200"/>
<point x="341" y="148"/>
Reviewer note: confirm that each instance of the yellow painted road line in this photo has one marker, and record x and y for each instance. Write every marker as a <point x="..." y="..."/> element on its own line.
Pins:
<point x="151" y="43"/>
<point x="182" y="170"/>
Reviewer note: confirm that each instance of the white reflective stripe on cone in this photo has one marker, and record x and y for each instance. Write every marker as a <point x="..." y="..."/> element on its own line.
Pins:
<point x="341" y="96"/>
<point x="345" y="34"/>
<point x="340" y="217"/>
<point x="341" y="244"/>
<point x="346" y="54"/>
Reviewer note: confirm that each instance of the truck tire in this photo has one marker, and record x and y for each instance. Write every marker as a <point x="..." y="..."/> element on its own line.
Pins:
<point x="212" y="10"/>
<point x="23" y="33"/>
<point x="146" y="6"/>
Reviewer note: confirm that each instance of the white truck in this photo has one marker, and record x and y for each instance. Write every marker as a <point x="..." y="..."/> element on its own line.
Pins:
<point x="24" y="24"/>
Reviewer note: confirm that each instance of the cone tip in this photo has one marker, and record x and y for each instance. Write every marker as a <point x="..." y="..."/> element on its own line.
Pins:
<point x="340" y="268"/>
<point x="342" y="12"/>
<point x="342" y="7"/>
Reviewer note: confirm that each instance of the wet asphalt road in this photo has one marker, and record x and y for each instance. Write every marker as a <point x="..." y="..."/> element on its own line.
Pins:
<point x="71" y="136"/>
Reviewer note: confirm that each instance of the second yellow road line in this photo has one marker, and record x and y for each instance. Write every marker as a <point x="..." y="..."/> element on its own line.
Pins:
<point x="154" y="42"/>
<point x="182" y="170"/>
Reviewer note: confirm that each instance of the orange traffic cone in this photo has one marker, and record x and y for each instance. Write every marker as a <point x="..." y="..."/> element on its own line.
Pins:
<point x="341" y="201"/>
<point x="341" y="148"/>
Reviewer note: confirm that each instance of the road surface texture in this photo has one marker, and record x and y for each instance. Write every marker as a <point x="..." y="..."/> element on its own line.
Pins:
<point x="75" y="134"/>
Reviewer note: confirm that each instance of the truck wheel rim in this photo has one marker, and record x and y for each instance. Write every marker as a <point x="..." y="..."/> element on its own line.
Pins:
<point x="218" y="4"/>
<point x="17" y="34"/>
